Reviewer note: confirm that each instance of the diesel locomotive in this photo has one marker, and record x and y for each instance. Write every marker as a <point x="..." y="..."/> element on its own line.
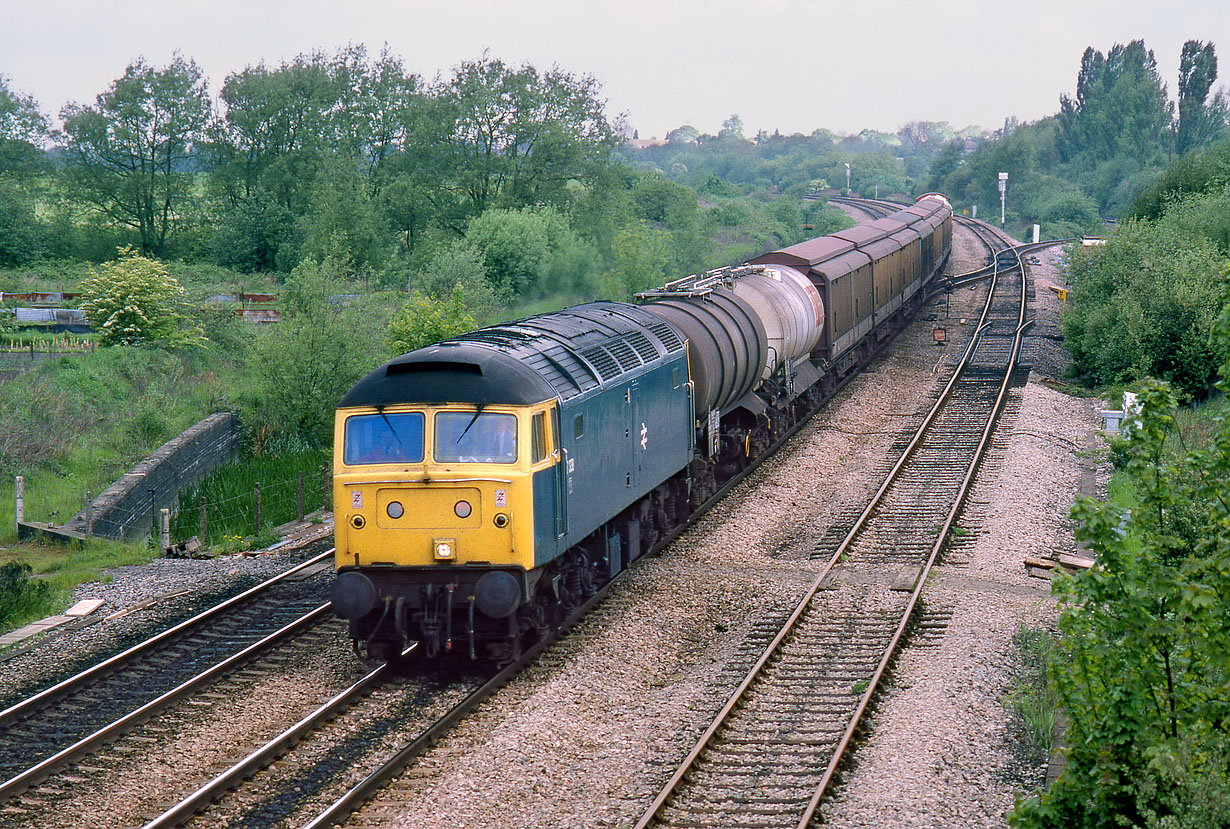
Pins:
<point x="486" y="486"/>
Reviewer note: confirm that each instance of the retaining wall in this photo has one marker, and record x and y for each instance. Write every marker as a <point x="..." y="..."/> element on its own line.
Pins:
<point x="125" y="509"/>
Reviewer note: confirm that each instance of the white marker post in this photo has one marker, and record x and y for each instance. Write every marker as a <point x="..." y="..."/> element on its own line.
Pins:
<point x="19" y="506"/>
<point x="1003" y="189"/>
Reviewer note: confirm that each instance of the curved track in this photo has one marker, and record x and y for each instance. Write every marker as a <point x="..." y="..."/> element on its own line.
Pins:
<point x="774" y="750"/>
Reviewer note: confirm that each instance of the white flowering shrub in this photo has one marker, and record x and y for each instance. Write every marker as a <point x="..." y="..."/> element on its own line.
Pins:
<point x="135" y="301"/>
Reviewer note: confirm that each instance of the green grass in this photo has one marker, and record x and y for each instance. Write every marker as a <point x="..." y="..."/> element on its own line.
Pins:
<point x="1030" y="696"/>
<point x="60" y="569"/>
<point x="230" y="496"/>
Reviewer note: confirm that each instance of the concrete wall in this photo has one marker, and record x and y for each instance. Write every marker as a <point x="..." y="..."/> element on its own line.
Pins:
<point x="125" y="509"/>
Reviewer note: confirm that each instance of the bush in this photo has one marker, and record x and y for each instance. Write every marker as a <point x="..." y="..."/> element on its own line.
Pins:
<point x="135" y="301"/>
<point x="1143" y="305"/>
<point x="423" y="320"/>
<point x="20" y="596"/>
<point x="1142" y="665"/>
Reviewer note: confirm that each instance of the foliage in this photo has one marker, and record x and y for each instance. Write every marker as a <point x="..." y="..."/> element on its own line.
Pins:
<point x="129" y="154"/>
<point x="1144" y="658"/>
<point x="23" y="128"/>
<point x="457" y="265"/>
<point x="423" y="320"/>
<point x="21" y="596"/>
<point x="1120" y="108"/>
<point x="1031" y="698"/>
<point x="640" y="260"/>
<point x="1143" y="305"/>
<point x="328" y="340"/>
<point x="1201" y="120"/>
<point x="230" y="493"/>
<point x="1204" y="171"/>
<point x="531" y="251"/>
<point x="136" y="301"/>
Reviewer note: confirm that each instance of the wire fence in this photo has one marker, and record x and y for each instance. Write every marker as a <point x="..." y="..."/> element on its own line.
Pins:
<point x="241" y="500"/>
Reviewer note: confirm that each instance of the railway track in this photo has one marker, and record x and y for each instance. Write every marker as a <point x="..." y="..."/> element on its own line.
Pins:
<point x="253" y="793"/>
<point x="42" y="734"/>
<point x="775" y="749"/>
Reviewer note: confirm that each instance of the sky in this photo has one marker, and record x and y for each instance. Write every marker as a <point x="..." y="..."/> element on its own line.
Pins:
<point x="788" y="65"/>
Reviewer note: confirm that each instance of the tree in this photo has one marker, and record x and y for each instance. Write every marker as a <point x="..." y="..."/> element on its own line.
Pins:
<point x="686" y="134"/>
<point x="322" y="347"/>
<point x="135" y="301"/>
<point x="642" y="256"/>
<point x="1120" y="108"/>
<point x="923" y="136"/>
<point x="506" y="137"/>
<point x="732" y="127"/>
<point x="129" y="156"/>
<point x="423" y="321"/>
<point x="23" y="129"/>
<point x="1144" y="657"/>
<point x="342" y="221"/>
<point x="1200" y="120"/>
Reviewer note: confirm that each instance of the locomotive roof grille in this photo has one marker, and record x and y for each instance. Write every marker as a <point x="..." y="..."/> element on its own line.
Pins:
<point x="628" y="359"/>
<point x="607" y="366"/>
<point x="644" y="348"/>
<point x="667" y="335"/>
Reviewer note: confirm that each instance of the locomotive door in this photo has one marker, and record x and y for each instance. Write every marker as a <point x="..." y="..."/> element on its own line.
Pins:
<point x="635" y="434"/>
<point x="563" y="475"/>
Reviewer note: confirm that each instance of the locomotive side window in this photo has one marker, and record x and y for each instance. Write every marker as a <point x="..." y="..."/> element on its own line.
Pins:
<point x="675" y="378"/>
<point x="470" y="437"/>
<point x="384" y="438"/>
<point x="578" y="426"/>
<point x="538" y="437"/>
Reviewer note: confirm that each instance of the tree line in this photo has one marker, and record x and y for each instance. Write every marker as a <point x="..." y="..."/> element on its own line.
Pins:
<point x="513" y="178"/>
<point x="1105" y="147"/>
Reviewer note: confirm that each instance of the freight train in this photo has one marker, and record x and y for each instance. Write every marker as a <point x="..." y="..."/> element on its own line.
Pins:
<point x="486" y="486"/>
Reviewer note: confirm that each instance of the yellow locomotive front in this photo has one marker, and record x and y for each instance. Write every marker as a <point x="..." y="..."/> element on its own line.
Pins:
<point x="435" y="520"/>
<point x="431" y="486"/>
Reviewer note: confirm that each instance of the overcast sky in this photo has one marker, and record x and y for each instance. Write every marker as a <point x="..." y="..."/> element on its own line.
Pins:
<point x="793" y="65"/>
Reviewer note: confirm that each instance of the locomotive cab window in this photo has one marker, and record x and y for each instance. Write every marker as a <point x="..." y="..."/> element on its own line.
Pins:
<point x="538" y="438"/>
<point x="384" y="438"/>
<point x="578" y="426"/>
<point x="473" y="437"/>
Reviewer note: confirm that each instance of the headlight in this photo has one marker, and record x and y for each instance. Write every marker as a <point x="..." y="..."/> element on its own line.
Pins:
<point x="500" y="520"/>
<point x="462" y="509"/>
<point x="395" y="509"/>
<point x="444" y="549"/>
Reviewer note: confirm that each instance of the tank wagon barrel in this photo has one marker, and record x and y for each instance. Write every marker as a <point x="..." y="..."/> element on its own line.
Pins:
<point x="484" y="487"/>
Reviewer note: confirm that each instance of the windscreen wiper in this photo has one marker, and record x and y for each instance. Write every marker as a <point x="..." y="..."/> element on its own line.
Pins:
<point x="389" y="423"/>
<point x="473" y="420"/>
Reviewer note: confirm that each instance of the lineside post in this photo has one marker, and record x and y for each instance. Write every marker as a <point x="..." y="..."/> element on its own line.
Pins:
<point x="19" y="505"/>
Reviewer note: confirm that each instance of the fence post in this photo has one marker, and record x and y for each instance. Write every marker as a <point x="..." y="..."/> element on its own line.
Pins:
<point x="258" y="508"/>
<point x="204" y="525"/>
<point x="153" y="514"/>
<point x="19" y="506"/>
<point x="164" y="529"/>
<point x="300" y="501"/>
<point x="89" y="512"/>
